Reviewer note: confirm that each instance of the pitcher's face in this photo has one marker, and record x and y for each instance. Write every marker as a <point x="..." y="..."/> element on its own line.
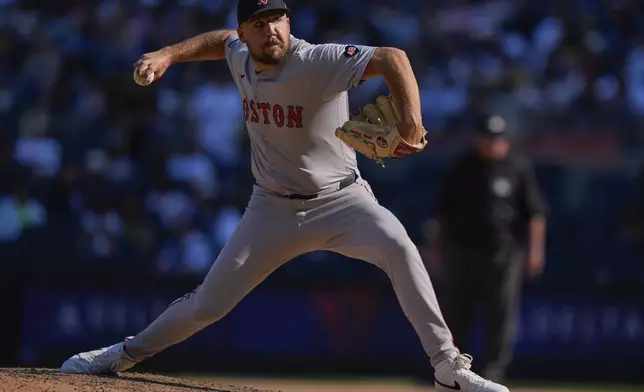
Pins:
<point x="267" y="36"/>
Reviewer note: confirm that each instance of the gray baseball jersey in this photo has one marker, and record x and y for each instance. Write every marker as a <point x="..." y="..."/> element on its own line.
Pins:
<point x="292" y="113"/>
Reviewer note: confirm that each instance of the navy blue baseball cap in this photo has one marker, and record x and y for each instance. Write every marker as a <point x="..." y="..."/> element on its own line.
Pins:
<point x="247" y="9"/>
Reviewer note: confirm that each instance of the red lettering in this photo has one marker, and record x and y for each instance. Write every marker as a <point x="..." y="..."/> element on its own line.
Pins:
<point x="295" y="117"/>
<point x="252" y="109"/>
<point x="265" y="107"/>
<point x="255" y="116"/>
<point x="245" y="106"/>
<point x="278" y="115"/>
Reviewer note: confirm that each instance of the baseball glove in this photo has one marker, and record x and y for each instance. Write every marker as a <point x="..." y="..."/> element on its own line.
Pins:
<point x="374" y="132"/>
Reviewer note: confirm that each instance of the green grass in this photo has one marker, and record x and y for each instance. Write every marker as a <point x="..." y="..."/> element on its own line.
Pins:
<point x="531" y="385"/>
<point x="574" y="386"/>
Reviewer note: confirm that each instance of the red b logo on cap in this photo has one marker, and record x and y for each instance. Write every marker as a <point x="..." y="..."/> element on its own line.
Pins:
<point x="262" y="2"/>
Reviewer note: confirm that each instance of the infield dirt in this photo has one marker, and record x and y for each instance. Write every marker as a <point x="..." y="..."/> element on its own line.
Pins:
<point x="51" y="380"/>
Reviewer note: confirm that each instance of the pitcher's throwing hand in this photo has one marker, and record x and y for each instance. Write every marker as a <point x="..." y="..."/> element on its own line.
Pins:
<point x="151" y="66"/>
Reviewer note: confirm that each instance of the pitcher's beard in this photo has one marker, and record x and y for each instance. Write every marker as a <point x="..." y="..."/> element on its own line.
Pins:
<point x="268" y="59"/>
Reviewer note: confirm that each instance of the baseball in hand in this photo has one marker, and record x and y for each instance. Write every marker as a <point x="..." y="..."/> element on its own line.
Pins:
<point x="143" y="80"/>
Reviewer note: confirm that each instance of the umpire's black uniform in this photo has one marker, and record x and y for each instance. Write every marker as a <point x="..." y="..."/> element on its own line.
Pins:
<point x="485" y="205"/>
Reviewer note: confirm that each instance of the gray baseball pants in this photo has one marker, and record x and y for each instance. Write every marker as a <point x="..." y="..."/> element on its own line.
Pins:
<point x="276" y="229"/>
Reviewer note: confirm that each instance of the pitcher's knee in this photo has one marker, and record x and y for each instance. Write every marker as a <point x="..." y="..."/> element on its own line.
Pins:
<point x="399" y="249"/>
<point x="207" y="312"/>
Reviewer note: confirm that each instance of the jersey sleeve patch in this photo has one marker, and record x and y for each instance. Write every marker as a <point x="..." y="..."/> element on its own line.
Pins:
<point x="351" y="50"/>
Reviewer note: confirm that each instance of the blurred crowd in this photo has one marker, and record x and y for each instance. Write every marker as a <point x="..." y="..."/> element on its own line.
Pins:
<point x="95" y="169"/>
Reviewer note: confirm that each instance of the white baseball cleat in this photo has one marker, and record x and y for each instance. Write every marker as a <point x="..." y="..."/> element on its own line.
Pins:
<point x="107" y="360"/>
<point x="455" y="375"/>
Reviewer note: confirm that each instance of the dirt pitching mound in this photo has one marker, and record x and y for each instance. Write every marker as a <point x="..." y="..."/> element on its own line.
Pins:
<point x="51" y="380"/>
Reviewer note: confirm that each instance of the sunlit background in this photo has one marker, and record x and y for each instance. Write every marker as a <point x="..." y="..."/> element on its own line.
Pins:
<point x="115" y="199"/>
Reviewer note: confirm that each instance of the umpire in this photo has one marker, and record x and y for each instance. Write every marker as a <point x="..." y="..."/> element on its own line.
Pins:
<point x="491" y="231"/>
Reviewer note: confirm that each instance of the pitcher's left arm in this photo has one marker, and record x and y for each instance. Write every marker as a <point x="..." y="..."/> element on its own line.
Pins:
<point x="394" y="66"/>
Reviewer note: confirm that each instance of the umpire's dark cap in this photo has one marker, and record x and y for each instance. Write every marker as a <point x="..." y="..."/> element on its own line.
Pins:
<point x="247" y="9"/>
<point x="490" y="126"/>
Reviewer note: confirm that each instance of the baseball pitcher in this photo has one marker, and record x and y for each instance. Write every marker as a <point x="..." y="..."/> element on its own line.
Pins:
<point x="309" y="194"/>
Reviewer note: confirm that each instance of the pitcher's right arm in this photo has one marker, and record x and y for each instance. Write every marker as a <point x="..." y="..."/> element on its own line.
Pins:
<point x="206" y="46"/>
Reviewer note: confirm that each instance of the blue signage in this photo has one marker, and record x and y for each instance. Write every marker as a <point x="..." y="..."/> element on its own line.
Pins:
<point x="324" y="323"/>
